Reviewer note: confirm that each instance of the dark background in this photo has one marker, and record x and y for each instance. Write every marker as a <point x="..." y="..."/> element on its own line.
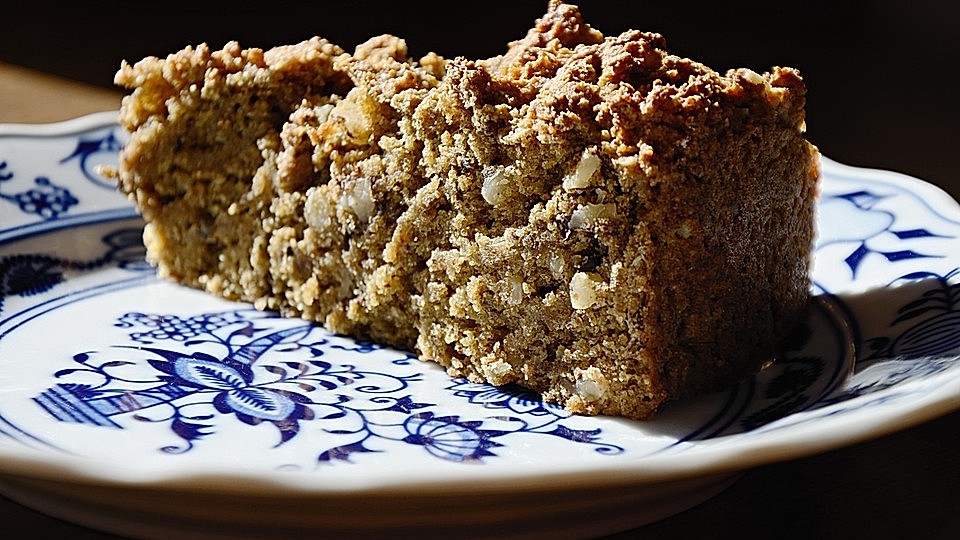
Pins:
<point x="879" y="73"/>
<point x="882" y="93"/>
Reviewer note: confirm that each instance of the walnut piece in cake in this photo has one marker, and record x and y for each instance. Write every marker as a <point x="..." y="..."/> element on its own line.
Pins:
<point x="590" y="217"/>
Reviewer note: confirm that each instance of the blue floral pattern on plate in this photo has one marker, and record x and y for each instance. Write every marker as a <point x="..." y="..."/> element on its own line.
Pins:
<point x="50" y="179"/>
<point x="268" y="370"/>
<point x="142" y="370"/>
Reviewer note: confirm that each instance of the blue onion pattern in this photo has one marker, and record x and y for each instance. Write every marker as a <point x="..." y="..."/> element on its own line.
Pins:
<point x="866" y="227"/>
<point x="523" y="410"/>
<point x="46" y="200"/>
<point x="88" y="149"/>
<point x="54" y="198"/>
<point x="259" y="368"/>
<point x="515" y="398"/>
<point x="28" y="274"/>
<point x="932" y="321"/>
<point x="449" y="437"/>
<point x="921" y="340"/>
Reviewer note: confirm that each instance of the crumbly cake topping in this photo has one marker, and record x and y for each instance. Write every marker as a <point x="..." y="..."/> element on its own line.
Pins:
<point x="581" y="215"/>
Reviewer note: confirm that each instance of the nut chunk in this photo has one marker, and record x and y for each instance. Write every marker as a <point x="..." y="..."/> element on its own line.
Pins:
<point x="591" y="217"/>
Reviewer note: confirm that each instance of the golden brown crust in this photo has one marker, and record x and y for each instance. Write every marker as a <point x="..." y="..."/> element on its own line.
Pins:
<point x="603" y="222"/>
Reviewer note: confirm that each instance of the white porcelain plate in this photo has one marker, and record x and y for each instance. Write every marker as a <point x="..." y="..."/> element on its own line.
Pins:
<point x="148" y="409"/>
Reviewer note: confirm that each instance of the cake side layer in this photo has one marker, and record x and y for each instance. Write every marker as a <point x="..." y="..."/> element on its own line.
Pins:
<point x="227" y="146"/>
<point x="593" y="218"/>
<point x="669" y="269"/>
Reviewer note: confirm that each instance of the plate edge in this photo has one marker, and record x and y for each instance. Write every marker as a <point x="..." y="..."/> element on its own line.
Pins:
<point x="63" y="127"/>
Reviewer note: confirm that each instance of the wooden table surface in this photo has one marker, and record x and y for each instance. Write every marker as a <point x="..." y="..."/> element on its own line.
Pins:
<point x="904" y="485"/>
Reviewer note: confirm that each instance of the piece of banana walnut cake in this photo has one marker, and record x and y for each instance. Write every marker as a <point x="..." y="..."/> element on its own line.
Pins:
<point x="590" y="217"/>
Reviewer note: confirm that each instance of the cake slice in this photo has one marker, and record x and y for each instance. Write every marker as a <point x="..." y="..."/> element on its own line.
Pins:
<point x="591" y="217"/>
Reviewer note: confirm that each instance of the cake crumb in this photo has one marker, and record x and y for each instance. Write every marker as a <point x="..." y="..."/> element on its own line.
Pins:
<point x="593" y="217"/>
